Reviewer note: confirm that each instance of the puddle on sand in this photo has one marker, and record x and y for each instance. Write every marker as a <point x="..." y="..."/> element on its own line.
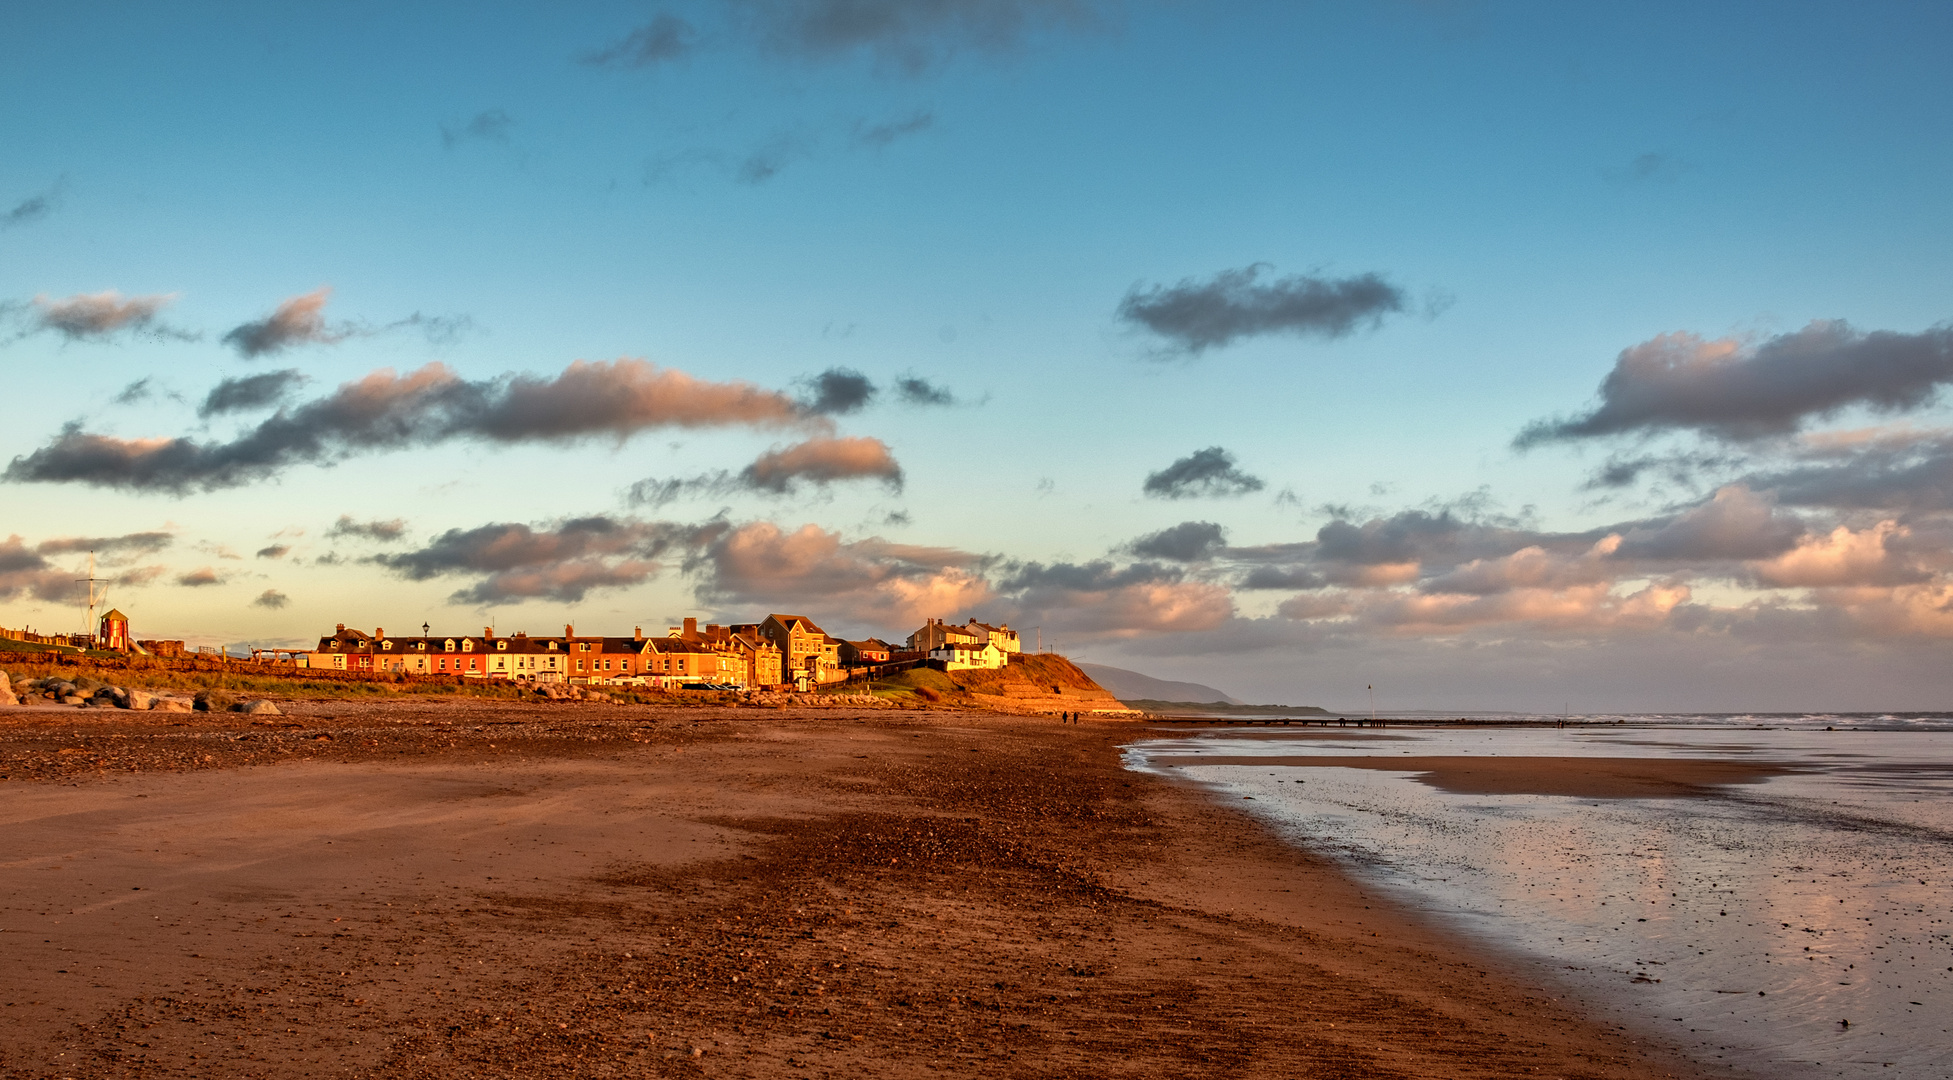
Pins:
<point x="1746" y="925"/>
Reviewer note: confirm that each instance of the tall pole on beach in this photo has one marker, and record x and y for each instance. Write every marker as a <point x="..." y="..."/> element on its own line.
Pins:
<point x="1373" y="704"/>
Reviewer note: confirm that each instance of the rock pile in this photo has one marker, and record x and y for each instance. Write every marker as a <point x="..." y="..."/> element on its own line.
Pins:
<point x="87" y="693"/>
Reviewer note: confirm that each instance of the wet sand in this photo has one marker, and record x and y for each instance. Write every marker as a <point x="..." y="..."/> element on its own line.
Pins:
<point x="460" y="890"/>
<point x="1579" y="777"/>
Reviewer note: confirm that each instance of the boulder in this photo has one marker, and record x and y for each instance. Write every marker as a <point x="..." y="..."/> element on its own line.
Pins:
<point x="7" y="698"/>
<point x="165" y="704"/>
<point x="257" y="708"/>
<point x="140" y="700"/>
<point x="73" y="699"/>
<point x="5" y="683"/>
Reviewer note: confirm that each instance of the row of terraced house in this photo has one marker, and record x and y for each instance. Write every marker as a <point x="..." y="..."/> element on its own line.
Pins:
<point x="782" y="651"/>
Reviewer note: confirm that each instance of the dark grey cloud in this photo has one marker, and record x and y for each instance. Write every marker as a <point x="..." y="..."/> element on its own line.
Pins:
<point x="768" y="159"/>
<point x="839" y="391"/>
<point x="140" y="390"/>
<point x="199" y="578"/>
<point x="489" y="125"/>
<point x="386" y="411"/>
<point x="1735" y="392"/>
<point x="909" y="35"/>
<point x="275" y="551"/>
<point x="273" y="599"/>
<point x="1194" y="315"/>
<point x="31" y="209"/>
<point x="1100" y="575"/>
<point x="383" y="531"/>
<point x="914" y="390"/>
<point x="251" y="392"/>
<point x="1187" y="542"/>
<point x="1286" y="578"/>
<point x="1906" y="473"/>
<point x="563" y="561"/>
<point x="1209" y="473"/>
<point x="665" y="38"/>
<point x="877" y="136"/>
<point x="139" y="543"/>
<point x="26" y="572"/>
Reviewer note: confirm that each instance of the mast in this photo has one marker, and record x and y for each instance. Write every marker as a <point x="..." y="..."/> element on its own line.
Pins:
<point x="94" y="598"/>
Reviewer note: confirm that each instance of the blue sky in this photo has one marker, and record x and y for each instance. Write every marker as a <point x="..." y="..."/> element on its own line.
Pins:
<point x="966" y="192"/>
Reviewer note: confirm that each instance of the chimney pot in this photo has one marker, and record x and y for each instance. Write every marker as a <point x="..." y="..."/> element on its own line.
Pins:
<point x="342" y="628"/>
<point x="488" y="631"/>
<point x="379" y="631"/>
<point x="569" y="631"/>
<point x="637" y="633"/>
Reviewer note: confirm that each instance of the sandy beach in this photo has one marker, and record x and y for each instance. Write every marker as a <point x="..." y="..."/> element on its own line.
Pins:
<point x="487" y="889"/>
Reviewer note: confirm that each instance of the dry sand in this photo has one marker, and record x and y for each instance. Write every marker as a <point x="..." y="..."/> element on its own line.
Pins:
<point x="477" y="889"/>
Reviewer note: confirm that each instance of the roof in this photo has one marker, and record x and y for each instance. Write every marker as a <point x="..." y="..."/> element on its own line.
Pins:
<point x="115" y="613"/>
<point x="788" y="621"/>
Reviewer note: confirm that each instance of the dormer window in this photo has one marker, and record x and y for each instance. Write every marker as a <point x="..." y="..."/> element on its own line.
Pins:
<point x="552" y="646"/>
<point x="450" y="645"/>
<point x="387" y="645"/>
<point x="503" y="645"/>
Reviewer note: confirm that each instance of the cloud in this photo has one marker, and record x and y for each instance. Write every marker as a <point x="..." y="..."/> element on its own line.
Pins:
<point x="99" y="316"/>
<point x="838" y="391"/>
<point x="139" y="576"/>
<point x="1735" y="523"/>
<point x="1194" y="316"/>
<point x="662" y="40"/>
<point x="491" y="125"/>
<point x="200" y="577"/>
<point x="766" y="161"/>
<point x="1102" y="599"/>
<point x="275" y="551"/>
<point x="564" y="561"/>
<point x="1187" y="542"/>
<point x="297" y="321"/>
<point x="25" y="572"/>
<point x="251" y="392"/>
<point x="383" y="531"/>
<point x="1882" y="470"/>
<point x="386" y="411"/>
<point x="1846" y="557"/>
<point x="138" y="391"/>
<point x="871" y="584"/>
<point x="1735" y="392"/>
<point x="273" y="599"/>
<point x="140" y="543"/>
<point x="1291" y="578"/>
<point x="1208" y="473"/>
<point x="823" y="461"/>
<point x="33" y="208"/>
<point x="914" y="390"/>
<point x="877" y="136"/>
<point x="909" y="35"/>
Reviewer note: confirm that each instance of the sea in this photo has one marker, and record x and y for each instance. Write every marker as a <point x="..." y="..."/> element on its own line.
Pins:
<point x="1801" y="926"/>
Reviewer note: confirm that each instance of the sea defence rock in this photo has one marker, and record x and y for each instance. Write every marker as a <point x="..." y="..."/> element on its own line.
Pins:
<point x="7" y="696"/>
<point x="141" y="700"/>
<point x="167" y="704"/>
<point x="257" y="708"/>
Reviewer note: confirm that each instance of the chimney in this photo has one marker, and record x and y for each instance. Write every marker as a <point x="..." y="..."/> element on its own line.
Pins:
<point x="342" y="628"/>
<point x="569" y="631"/>
<point x="379" y="631"/>
<point x="487" y="631"/>
<point x="637" y="633"/>
<point x="691" y="629"/>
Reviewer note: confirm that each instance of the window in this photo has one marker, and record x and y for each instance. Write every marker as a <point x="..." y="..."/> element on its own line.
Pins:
<point x="387" y="646"/>
<point x="502" y="645"/>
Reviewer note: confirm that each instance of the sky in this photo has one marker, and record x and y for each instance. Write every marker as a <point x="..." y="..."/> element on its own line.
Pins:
<point x="1497" y="356"/>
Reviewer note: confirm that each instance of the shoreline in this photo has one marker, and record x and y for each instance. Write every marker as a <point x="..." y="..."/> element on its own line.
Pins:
<point x="462" y="889"/>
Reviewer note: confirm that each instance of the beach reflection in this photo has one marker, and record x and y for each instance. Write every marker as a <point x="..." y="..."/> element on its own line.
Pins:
<point x="1794" y="925"/>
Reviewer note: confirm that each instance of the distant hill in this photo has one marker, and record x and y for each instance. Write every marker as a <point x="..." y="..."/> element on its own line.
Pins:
<point x="1129" y="685"/>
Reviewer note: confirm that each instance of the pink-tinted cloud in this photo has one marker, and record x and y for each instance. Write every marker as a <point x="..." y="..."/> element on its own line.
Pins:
<point x="824" y="461"/>
<point x="297" y="321"/>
